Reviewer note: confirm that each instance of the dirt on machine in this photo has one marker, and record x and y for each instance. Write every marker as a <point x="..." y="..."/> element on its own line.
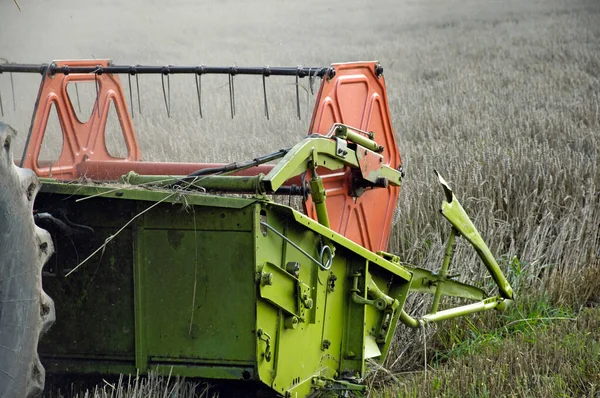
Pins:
<point x="196" y="270"/>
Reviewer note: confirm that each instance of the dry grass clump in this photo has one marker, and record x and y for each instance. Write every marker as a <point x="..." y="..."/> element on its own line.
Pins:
<point x="152" y="385"/>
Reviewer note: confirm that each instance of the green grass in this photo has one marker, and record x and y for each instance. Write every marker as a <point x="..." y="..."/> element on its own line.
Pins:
<point x="551" y="353"/>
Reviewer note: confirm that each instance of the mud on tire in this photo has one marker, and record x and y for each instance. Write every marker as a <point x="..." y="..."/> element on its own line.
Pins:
<point x="25" y="310"/>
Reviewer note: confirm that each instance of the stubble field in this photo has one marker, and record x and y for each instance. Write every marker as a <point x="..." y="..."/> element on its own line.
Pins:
<point x="503" y="98"/>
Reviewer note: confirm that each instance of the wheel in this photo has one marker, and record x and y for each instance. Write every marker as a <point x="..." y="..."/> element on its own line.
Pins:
<point x="26" y="311"/>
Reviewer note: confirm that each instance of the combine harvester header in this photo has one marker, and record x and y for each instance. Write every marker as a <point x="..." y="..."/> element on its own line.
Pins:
<point x="156" y="267"/>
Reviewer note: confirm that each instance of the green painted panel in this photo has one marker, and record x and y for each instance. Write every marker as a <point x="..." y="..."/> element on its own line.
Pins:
<point x="199" y="295"/>
<point x="131" y="192"/>
<point x="202" y="218"/>
<point x="94" y="305"/>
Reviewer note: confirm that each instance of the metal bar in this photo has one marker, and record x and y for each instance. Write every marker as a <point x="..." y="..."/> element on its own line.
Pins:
<point x="169" y="69"/>
<point x="484" y="305"/>
<point x="409" y="320"/>
<point x="453" y="211"/>
<point x="318" y="194"/>
<point x="444" y="270"/>
<point x="248" y="184"/>
<point x="346" y="133"/>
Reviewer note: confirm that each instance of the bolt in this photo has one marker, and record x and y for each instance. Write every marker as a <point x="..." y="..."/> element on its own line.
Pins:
<point x="326" y="345"/>
<point x="308" y="302"/>
<point x="267" y="278"/>
<point x="401" y="170"/>
<point x="382" y="182"/>
<point x="380" y="304"/>
<point x="330" y="73"/>
<point x="293" y="268"/>
<point x="291" y="322"/>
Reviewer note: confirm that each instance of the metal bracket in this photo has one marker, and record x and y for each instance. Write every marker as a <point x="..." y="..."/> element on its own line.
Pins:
<point x="381" y="301"/>
<point x="264" y="336"/>
<point x="332" y="384"/>
<point x="341" y="147"/>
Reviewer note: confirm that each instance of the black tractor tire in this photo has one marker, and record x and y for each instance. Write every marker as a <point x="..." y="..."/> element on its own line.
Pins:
<point x="26" y="311"/>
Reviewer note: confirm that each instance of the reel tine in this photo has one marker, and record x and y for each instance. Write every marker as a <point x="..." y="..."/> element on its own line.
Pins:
<point x="97" y="92"/>
<point x="308" y="93"/>
<point x="232" y="91"/>
<point x="1" y="106"/>
<point x="12" y="87"/>
<point x="77" y="95"/>
<point x="167" y="101"/>
<point x="298" y="92"/>
<point x="198" y="78"/>
<point x="130" y="95"/>
<point x="266" y="72"/>
<point x="230" y="95"/>
<point x="137" y="83"/>
<point x="233" y="95"/>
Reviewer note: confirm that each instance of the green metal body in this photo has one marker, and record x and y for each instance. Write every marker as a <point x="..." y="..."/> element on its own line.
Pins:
<point x="156" y="276"/>
<point x="198" y="286"/>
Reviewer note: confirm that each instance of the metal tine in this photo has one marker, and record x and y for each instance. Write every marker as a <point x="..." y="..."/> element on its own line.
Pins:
<point x="167" y="101"/>
<point x="233" y="94"/>
<point x="198" y="77"/>
<point x="97" y="93"/>
<point x="77" y="95"/>
<point x="130" y="95"/>
<point x="230" y="95"/>
<point x="1" y="106"/>
<point x="137" y="83"/>
<point x="232" y="91"/>
<point x="12" y="87"/>
<point x="298" y="93"/>
<point x="267" y="72"/>
<point x="308" y="94"/>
